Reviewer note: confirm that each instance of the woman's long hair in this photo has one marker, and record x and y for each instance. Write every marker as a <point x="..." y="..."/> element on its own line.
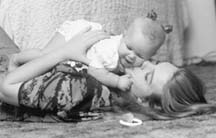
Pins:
<point x="182" y="96"/>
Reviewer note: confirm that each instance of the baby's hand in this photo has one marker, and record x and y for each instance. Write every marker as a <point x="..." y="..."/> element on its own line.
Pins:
<point x="125" y="82"/>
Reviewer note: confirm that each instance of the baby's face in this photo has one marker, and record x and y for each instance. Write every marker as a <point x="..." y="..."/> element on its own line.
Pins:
<point x="135" y="49"/>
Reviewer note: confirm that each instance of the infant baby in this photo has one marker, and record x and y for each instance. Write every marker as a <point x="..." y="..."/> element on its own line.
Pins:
<point x="110" y="57"/>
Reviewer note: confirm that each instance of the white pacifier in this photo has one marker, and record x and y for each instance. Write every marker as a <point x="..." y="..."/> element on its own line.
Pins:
<point x="129" y="120"/>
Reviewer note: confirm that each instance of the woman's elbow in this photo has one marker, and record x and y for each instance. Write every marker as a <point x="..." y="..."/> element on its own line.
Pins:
<point x="8" y="91"/>
<point x="4" y="86"/>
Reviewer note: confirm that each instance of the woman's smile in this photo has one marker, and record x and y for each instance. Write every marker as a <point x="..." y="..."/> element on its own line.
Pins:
<point x="150" y="78"/>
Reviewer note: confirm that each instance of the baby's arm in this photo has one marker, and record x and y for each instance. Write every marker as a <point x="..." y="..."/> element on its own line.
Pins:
<point x="110" y="79"/>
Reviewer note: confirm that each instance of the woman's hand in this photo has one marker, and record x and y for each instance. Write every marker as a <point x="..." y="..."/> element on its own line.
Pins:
<point x="76" y="48"/>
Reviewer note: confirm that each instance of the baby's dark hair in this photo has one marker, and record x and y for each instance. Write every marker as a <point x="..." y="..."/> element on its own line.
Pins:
<point x="153" y="15"/>
<point x="167" y="28"/>
<point x="152" y="30"/>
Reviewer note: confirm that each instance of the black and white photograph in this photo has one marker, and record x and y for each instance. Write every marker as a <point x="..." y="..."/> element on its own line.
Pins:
<point x="107" y="69"/>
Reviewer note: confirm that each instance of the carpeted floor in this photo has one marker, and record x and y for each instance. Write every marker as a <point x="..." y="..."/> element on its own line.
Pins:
<point x="208" y="74"/>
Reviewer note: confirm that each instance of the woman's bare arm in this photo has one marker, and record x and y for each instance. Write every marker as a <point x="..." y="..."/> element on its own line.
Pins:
<point x="75" y="49"/>
<point x="12" y="81"/>
<point x="27" y="55"/>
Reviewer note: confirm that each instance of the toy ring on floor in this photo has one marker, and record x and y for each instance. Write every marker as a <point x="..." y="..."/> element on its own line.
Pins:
<point x="135" y="122"/>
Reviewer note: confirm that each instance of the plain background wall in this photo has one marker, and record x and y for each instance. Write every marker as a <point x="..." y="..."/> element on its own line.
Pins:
<point x="201" y="32"/>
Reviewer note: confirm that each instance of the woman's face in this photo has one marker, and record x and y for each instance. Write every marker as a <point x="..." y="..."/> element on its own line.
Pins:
<point x="151" y="78"/>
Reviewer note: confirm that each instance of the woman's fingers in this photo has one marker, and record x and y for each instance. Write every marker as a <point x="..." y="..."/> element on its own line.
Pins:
<point x="79" y="44"/>
<point x="84" y="30"/>
<point x="94" y="36"/>
<point x="89" y="38"/>
<point x="96" y="33"/>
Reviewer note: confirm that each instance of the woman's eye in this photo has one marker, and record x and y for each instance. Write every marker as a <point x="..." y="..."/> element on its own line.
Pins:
<point x="153" y="61"/>
<point x="148" y="77"/>
<point x="128" y="47"/>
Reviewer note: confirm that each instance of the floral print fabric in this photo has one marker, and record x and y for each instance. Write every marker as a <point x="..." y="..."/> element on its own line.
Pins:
<point x="69" y="92"/>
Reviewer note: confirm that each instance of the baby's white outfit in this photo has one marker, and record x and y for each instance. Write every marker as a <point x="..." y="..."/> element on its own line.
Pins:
<point x="103" y="54"/>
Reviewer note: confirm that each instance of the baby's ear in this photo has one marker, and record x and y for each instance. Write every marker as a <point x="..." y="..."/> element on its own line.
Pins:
<point x="152" y="15"/>
<point x="167" y="28"/>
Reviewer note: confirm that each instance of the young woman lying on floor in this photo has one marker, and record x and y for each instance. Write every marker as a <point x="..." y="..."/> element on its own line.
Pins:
<point x="46" y="83"/>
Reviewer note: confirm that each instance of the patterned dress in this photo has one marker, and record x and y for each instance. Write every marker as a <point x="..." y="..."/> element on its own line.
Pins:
<point x="67" y="92"/>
